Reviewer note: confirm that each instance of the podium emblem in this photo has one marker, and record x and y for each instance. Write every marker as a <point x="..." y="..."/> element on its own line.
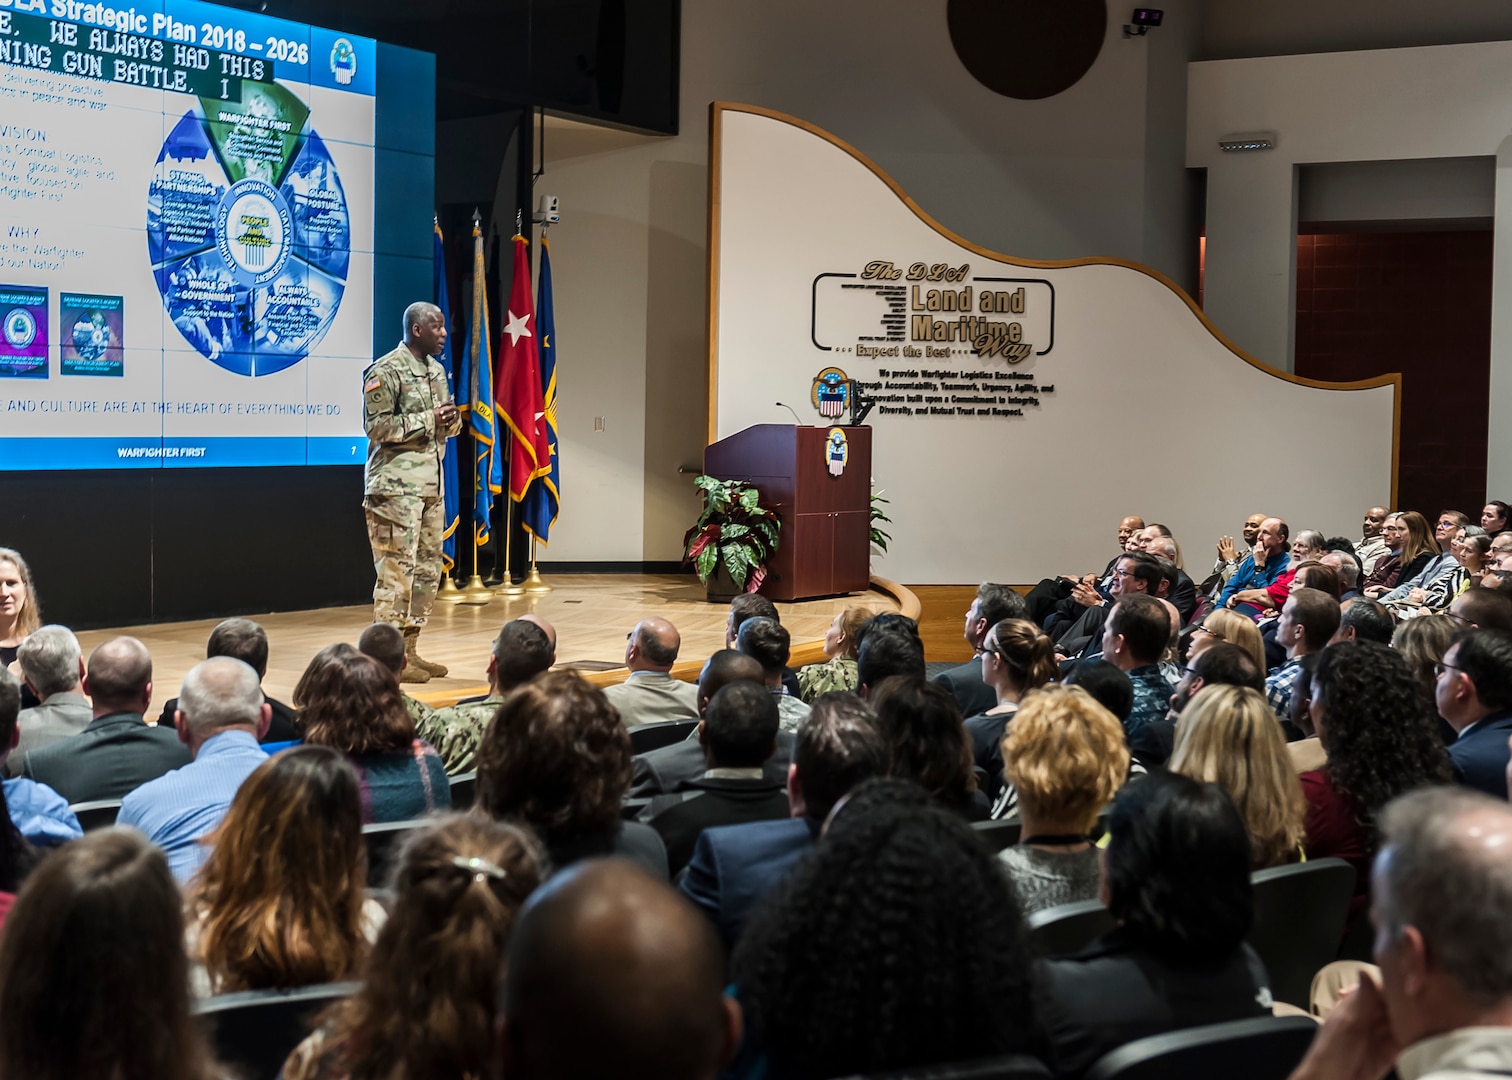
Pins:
<point x="831" y="392"/>
<point x="836" y="451"/>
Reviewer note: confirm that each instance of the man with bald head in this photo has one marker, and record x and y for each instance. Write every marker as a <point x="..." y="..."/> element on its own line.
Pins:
<point x="1440" y="1005"/>
<point x="650" y="695"/>
<point x="408" y="414"/>
<point x="1372" y="544"/>
<point x="118" y="752"/>
<point x="221" y="717"/>
<point x="1266" y="562"/>
<point x="611" y="973"/>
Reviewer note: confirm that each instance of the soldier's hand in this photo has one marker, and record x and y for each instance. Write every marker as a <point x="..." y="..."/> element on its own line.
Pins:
<point x="446" y="415"/>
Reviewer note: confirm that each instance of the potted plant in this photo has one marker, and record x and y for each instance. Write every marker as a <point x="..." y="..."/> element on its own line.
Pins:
<point x="734" y="537"/>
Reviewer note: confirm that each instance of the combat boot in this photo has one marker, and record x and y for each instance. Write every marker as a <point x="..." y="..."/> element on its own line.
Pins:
<point x="413" y="661"/>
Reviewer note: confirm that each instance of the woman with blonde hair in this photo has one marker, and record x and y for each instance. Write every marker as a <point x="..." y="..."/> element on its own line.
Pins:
<point x="426" y="1008"/>
<point x="281" y="901"/>
<point x="1228" y="735"/>
<point x="1065" y="759"/>
<point x="1225" y="625"/>
<point x="1017" y="657"/>
<point x="838" y="672"/>
<point x="1423" y="642"/>
<point x="20" y="611"/>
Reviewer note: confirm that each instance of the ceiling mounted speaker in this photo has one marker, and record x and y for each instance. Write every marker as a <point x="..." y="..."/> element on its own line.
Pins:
<point x="1027" y="49"/>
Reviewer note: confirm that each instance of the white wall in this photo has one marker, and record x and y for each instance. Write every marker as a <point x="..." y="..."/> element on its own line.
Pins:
<point x="1449" y="101"/>
<point x="1429" y="189"/>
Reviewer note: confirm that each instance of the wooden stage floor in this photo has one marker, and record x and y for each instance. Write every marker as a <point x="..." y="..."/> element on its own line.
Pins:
<point x="592" y="614"/>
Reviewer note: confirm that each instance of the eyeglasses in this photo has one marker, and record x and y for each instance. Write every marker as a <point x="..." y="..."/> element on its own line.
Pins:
<point x="1460" y="619"/>
<point x="1200" y="629"/>
<point x="1442" y="666"/>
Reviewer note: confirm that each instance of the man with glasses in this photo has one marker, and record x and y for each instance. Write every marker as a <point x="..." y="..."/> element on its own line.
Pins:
<point x="1473" y="692"/>
<point x="1372" y="544"/>
<point x="1132" y="574"/>
<point x="1486" y="609"/>
<point x="1448" y="525"/>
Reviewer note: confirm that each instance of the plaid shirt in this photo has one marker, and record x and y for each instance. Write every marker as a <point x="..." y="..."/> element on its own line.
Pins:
<point x="1278" y="687"/>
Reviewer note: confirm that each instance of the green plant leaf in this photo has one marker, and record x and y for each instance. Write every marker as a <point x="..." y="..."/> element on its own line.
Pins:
<point x="738" y="562"/>
<point x="707" y="559"/>
<point x="734" y="531"/>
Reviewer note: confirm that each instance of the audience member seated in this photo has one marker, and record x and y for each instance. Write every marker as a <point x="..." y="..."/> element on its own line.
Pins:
<point x="887" y="651"/>
<point x="20" y="611"/>
<point x="1482" y="609"/>
<point x="1449" y="523"/>
<point x="1065" y="759"/>
<point x="926" y="743"/>
<point x="738" y="734"/>
<point x="281" y="900"/>
<point x="1134" y="574"/>
<point x="1228" y="736"/>
<point x="220" y="718"/>
<point x="93" y="979"/>
<point x="1133" y="640"/>
<point x="1315" y="574"/>
<point x="1306" y="552"/>
<point x="1223" y="625"/>
<point x="557" y="758"/>
<point x="1494" y="517"/>
<point x="1266" y="562"/>
<point x="1220" y="664"/>
<point x="521" y="652"/>
<point x="244" y="640"/>
<point x="1060" y="599"/>
<point x="734" y="867"/>
<point x="352" y="703"/>
<point x="1474" y="693"/>
<point x="34" y="812"/>
<point x="1409" y="548"/>
<point x="384" y="642"/>
<point x="767" y="642"/>
<point x="610" y="974"/>
<point x="1374" y="721"/>
<point x="1108" y="686"/>
<point x="1466" y="556"/>
<point x="1176" y="879"/>
<point x="1441" y="1005"/>
<point x="1372" y="543"/>
<point x="838" y="672"/>
<point x="1303" y="745"/>
<point x="1228" y="554"/>
<point x="1017" y="657"/>
<point x="426" y="1007"/>
<point x="1363" y="619"/>
<point x="51" y="669"/>
<point x="1499" y="555"/>
<point x="1422" y="642"/>
<point x="1308" y="621"/>
<point x="665" y="769"/>
<point x="897" y="945"/>
<point x="1347" y="566"/>
<point x="755" y="606"/>
<point x="119" y="751"/>
<point x="650" y="695"/>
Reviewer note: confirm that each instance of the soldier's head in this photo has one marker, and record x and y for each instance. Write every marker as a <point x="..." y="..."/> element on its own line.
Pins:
<point x="385" y="644"/>
<point x="521" y="652"/>
<point x="425" y="328"/>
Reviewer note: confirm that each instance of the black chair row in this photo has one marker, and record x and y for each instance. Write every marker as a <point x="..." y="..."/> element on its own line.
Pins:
<point x="255" y="1031"/>
<point x="647" y="737"/>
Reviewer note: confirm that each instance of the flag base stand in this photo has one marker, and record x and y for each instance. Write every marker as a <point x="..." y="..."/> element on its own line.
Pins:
<point x="533" y="582"/>
<point x="475" y="592"/>
<point x="509" y="588"/>
<point x="448" y="593"/>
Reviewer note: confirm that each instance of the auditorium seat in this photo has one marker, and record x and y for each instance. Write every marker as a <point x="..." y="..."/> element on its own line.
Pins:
<point x="100" y="814"/>
<point x="464" y="789"/>
<point x="1264" y="1048"/>
<point x="383" y="842"/>
<point x="630" y="809"/>
<point x="1299" y="921"/>
<point x="1008" y="1067"/>
<point x="998" y="835"/>
<point x="255" y="1030"/>
<point x="1066" y="928"/>
<point x="647" y="737"/>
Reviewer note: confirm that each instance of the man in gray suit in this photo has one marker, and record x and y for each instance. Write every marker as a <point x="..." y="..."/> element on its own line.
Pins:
<point x="651" y="695"/>
<point x="52" y="665"/>
<point x="118" y="751"/>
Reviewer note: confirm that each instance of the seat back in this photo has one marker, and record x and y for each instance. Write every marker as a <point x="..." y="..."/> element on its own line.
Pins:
<point x="998" y="835"/>
<point x="648" y="737"/>
<point x="1299" y="922"/>
<point x="1068" y="928"/>
<point x="1007" y="1067"/>
<point x="1264" y="1048"/>
<point x="464" y="790"/>
<point x="100" y="814"/>
<point x="254" y="1031"/>
<point x="631" y="809"/>
<point x="383" y="842"/>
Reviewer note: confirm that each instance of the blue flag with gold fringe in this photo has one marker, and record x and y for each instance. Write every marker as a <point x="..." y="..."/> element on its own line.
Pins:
<point x="452" y="511"/>
<point x="541" y="503"/>
<point x="488" y="469"/>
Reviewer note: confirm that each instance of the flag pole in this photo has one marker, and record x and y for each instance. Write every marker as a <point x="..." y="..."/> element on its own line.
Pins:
<point x="475" y="592"/>
<point x="507" y="587"/>
<point x="533" y="581"/>
<point x="448" y="593"/>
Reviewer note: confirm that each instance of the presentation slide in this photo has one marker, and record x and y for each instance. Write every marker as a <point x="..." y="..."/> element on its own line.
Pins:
<point x="186" y="236"/>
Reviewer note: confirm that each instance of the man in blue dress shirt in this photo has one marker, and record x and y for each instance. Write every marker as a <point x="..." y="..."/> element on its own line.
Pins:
<point x="220" y="718"/>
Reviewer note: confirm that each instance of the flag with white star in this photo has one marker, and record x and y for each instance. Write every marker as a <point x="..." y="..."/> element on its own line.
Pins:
<point x="522" y="408"/>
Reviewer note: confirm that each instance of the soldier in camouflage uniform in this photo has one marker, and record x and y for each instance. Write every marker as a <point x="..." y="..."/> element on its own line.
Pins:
<point x="520" y="653"/>
<point x="385" y="644"/>
<point x="408" y="414"/>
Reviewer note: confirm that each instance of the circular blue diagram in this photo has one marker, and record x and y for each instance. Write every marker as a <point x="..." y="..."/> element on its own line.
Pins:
<point x="248" y="231"/>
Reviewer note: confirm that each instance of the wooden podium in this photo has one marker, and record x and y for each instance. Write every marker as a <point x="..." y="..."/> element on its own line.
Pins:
<point x="824" y="542"/>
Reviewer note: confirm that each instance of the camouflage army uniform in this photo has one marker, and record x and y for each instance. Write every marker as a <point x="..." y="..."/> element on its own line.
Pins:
<point x="418" y="711"/>
<point x="456" y="731"/>
<point x="402" y="483"/>
<point x="836" y="674"/>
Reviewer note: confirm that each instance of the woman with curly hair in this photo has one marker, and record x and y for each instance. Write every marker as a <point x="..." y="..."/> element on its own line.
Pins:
<point x="281" y="901"/>
<point x="426" y="1008"/>
<point x="838" y="672"/>
<point x="1017" y="657"/>
<point x="1377" y="725"/>
<point x="1228" y="735"/>
<point x="557" y="758"/>
<point x="1224" y="625"/>
<point x="896" y="944"/>
<point x="352" y="703"/>
<point x="921" y="724"/>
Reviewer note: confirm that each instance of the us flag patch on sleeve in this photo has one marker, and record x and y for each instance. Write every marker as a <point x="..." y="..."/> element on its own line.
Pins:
<point x="372" y="384"/>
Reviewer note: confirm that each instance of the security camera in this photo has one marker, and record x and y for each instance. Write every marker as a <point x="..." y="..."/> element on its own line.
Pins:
<point x="1142" y="19"/>
<point x="548" y="213"/>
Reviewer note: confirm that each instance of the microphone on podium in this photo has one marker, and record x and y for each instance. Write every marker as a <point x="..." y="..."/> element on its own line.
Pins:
<point x="789" y="408"/>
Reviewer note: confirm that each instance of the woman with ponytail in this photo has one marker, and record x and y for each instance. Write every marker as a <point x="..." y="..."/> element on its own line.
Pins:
<point x="426" y="1011"/>
<point x="1017" y="657"/>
